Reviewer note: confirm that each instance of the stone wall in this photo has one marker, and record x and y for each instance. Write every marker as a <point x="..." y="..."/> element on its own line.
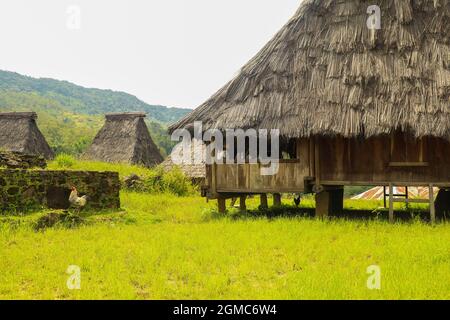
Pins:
<point x="22" y="190"/>
<point x="17" y="160"/>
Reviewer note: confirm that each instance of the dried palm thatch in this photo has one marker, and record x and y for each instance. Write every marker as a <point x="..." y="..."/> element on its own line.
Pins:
<point x="124" y="139"/>
<point x="193" y="166"/>
<point x="327" y="73"/>
<point x="20" y="133"/>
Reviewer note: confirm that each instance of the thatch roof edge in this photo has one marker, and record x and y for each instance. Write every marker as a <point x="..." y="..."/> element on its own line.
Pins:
<point x="326" y="73"/>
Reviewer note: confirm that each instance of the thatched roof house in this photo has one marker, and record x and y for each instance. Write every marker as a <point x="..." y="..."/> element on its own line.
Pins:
<point x="20" y="133"/>
<point x="193" y="166"/>
<point x="363" y="104"/>
<point x="326" y="72"/>
<point x="124" y="139"/>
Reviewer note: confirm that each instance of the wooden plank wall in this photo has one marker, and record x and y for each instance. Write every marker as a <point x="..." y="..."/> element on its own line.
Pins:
<point x="248" y="178"/>
<point x="396" y="159"/>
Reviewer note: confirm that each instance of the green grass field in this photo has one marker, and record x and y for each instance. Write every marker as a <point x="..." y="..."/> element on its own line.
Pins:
<point x="166" y="247"/>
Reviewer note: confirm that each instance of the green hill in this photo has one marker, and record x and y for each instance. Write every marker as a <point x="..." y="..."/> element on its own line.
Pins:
<point x="70" y="115"/>
<point x="87" y="101"/>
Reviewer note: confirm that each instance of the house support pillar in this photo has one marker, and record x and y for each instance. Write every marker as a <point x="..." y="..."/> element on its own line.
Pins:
<point x="264" y="202"/>
<point x="330" y="202"/>
<point x="242" y="205"/>
<point x="221" y="204"/>
<point x="432" y="205"/>
<point x="277" y="200"/>
<point x="442" y="203"/>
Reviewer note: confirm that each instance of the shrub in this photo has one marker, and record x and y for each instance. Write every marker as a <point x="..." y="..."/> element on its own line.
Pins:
<point x="177" y="183"/>
<point x="53" y="219"/>
<point x="64" y="160"/>
<point x="159" y="181"/>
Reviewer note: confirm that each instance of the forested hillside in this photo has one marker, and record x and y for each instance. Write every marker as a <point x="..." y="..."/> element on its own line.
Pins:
<point x="70" y="115"/>
<point x="87" y="101"/>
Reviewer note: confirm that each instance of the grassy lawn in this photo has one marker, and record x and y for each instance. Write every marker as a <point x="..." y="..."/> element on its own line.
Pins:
<point x="168" y="247"/>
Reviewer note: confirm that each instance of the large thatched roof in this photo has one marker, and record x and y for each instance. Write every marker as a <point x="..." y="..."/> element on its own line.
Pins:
<point x="20" y="133"/>
<point x="326" y="72"/>
<point x="124" y="139"/>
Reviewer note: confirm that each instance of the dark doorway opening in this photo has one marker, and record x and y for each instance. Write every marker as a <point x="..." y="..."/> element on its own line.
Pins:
<point x="58" y="198"/>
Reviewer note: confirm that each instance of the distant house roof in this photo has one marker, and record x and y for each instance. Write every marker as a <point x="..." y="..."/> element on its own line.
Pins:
<point x="124" y="139"/>
<point x="20" y="133"/>
<point x="327" y="73"/>
<point x="195" y="166"/>
<point x="377" y="193"/>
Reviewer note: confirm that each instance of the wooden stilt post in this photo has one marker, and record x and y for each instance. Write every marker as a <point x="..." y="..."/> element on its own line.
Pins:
<point x="242" y="205"/>
<point x="330" y="202"/>
<point x="391" y="203"/>
<point x="407" y="197"/>
<point x="322" y="204"/>
<point x="221" y="204"/>
<point x="277" y="200"/>
<point x="432" y="205"/>
<point x="264" y="202"/>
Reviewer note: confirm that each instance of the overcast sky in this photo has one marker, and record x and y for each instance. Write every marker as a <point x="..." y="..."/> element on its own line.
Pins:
<point x="170" y="52"/>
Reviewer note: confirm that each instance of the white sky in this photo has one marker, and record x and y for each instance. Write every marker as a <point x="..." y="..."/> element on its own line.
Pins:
<point x="170" y="52"/>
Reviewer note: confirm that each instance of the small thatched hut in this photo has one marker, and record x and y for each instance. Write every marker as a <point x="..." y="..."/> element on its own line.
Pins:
<point x="193" y="166"/>
<point x="364" y="105"/>
<point x="124" y="139"/>
<point x="20" y="133"/>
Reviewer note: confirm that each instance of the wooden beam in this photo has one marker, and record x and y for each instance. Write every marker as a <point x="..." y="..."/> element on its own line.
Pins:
<point x="312" y="168"/>
<point x="412" y="200"/>
<point x="277" y="200"/>
<point x="264" y="202"/>
<point x="214" y="178"/>
<point x="317" y="161"/>
<point x="432" y="205"/>
<point x="391" y="203"/>
<point x="409" y="164"/>
<point x="407" y="198"/>
<point x="376" y="183"/>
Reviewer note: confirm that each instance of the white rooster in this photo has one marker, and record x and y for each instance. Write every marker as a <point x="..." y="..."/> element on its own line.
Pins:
<point x="76" y="201"/>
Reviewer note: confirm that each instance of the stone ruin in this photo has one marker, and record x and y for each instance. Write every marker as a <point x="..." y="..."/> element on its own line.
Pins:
<point x="18" y="160"/>
<point x="23" y="190"/>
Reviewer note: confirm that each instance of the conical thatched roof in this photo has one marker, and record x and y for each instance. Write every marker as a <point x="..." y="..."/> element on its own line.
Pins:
<point x="326" y="72"/>
<point x="195" y="166"/>
<point x="124" y="139"/>
<point x="20" y="133"/>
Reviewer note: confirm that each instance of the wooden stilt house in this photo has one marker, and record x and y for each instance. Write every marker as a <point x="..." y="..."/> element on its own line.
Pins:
<point x="357" y="104"/>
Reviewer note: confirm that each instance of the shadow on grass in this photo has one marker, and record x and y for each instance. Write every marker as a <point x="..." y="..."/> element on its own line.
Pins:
<point x="41" y="220"/>
<point x="285" y="211"/>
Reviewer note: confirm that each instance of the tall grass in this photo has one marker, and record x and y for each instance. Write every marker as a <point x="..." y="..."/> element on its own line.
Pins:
<point x="168" y="247"/>
<point x="163" y="246"/>
<point x="123" y="169"/>
<point x="154" y="180"/>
